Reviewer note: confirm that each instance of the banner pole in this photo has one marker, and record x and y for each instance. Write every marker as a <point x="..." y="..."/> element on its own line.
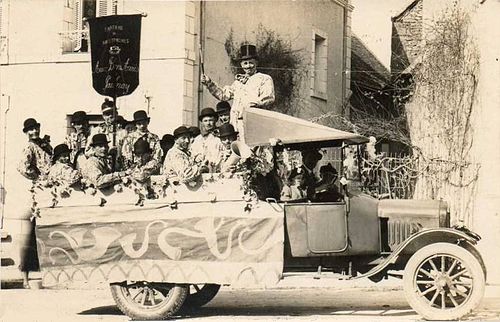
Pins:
<point x="115" y="114"/>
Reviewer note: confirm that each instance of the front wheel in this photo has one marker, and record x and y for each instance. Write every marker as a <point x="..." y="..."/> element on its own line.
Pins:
<point x="443" y="281"/>
<point x="148" y="300"/>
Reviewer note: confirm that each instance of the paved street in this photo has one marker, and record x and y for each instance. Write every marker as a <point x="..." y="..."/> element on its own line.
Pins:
<point x="344" y="301"/>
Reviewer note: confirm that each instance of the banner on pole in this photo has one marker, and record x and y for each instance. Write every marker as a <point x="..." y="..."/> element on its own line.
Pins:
<point x="115" y="47"/>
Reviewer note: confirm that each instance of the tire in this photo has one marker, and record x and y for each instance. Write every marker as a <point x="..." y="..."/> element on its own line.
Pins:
<point x="443" y="281"/>
<point x="200" y="294"/>
<point x="147" y="300"/>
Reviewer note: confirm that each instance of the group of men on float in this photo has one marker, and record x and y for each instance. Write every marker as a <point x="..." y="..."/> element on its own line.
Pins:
<point x="116" y="151"/>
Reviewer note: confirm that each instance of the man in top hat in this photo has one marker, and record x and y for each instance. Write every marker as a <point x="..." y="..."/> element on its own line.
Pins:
<point x="251" y="89"/>
<point x="206" y="147"/>
<point x="223" y="109"/>
<point x="141" y="121"/>
<point x="112" y="130"/>
<point x="36" y="158"/>
<point x="178" y="163"/>
<point x="96" y="171"/>
<point x="77" y="140"/>
<point x="61" y="172"/>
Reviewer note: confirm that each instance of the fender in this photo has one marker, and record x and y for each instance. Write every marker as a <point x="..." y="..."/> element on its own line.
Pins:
<point x="424" y="238"/>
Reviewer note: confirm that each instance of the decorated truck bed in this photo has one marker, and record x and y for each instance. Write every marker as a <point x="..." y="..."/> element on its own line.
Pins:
<point x="202" y="234"/>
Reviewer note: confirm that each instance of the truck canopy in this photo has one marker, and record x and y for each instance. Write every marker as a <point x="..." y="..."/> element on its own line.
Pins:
<point x="262" y="125"/>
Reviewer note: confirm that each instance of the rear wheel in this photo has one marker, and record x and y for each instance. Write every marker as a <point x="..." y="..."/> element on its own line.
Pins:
<point x="148" y="300"/>
<point x="443" y="281"/>
<point x="200" y="294"/>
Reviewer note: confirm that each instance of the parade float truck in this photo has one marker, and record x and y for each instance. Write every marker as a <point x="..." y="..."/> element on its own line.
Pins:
<point x="176" y="251"/>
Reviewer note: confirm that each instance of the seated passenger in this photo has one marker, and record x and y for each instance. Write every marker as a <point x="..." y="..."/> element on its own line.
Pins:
<point x="144" y="165"/>
<point x="96" y="171"/>
<point x="310" y="159"/>
<point x="227" y="135"/>
<point x="61" y="173"/>
<point x="178" y="162"/>
<point x="206" y="146"/>
<point x="327" y="191"/>
<point x="294" y="189"/>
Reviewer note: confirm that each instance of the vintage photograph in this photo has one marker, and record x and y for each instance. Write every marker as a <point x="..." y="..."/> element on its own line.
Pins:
<point x="252" y="160"/>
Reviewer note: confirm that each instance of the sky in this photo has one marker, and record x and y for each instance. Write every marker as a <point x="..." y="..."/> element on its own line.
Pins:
<point x="371" y="22"/>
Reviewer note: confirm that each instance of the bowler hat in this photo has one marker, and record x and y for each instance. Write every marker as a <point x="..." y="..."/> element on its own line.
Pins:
<point x="99" y="139"/>
<point x="141" y="146"/>
<point x="223" y="107"/>
<point x="60" y="149"/>
<point x="195" y="131"/>
<point x="208" y="111"/>
<point x="181" y="130"/>
<point x="30" y="124"/>
<point x="107" y="105"/>
<point x="226" y="130"/>
<point x="140" y="115"/>
<point x="248" y="52"/>
<point x="79" y="117"/>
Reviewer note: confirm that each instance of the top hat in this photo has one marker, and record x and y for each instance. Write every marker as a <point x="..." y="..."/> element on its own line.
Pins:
<point x="195" y="131"/>
<point x="328" y="168"/>
<point x="141" y="146"/>
<point x="140" y="115"/>
<point x="226" y="130"/>
<point x="107" y="105"/>
<point x="99" y="139"/>
<point x="248" y="52"/>
<point x="60" y="149"/>
<point x="79" y="117"/>
<point x="181" y="130"/>
<point x="223" y="107"/>
<point x="208" y="111"/>
<point x="30" y="124"/>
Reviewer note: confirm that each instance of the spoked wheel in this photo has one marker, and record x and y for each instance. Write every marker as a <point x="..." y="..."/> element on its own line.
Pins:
<point x="443" y="282"/>
<point x="147" y="300"/>
<point x="200" y="294"/>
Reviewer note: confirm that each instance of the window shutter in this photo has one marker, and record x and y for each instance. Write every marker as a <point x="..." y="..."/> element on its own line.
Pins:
<point x="78" y="11"/>
<point x="105" y="8"/>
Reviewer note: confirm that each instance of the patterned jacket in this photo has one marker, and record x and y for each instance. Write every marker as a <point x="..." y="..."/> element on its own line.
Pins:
<point x="258" y="88"/>
<point x="178" y="163"/>
<point x="64" y="174"/>
<point x="207" y="149"/>
<point x="36" y="159"/>
<point x="77" y="142"/>
<point x="128" y="147"/>
<point x="97" y="172"/>
<point x="143" y="171"/>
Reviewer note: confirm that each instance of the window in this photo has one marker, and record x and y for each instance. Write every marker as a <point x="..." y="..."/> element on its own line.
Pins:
<point x="75" y="36"/>
<point x="319" y="70"/>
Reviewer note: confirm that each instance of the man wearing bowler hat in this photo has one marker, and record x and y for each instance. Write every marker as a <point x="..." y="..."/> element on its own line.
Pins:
<point x="206" y="147"/>
<point x="227" y="135"/>
<point x="34" y="165"/>
<point x="178" y="163"/>
<point x="77" y="140"/>
<point x="96" y="171"/>
<point x="223" y="109"/>
<point x="113" y="132"/>
<point x="251" y="89"/>
<point x="141" y="121"/>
